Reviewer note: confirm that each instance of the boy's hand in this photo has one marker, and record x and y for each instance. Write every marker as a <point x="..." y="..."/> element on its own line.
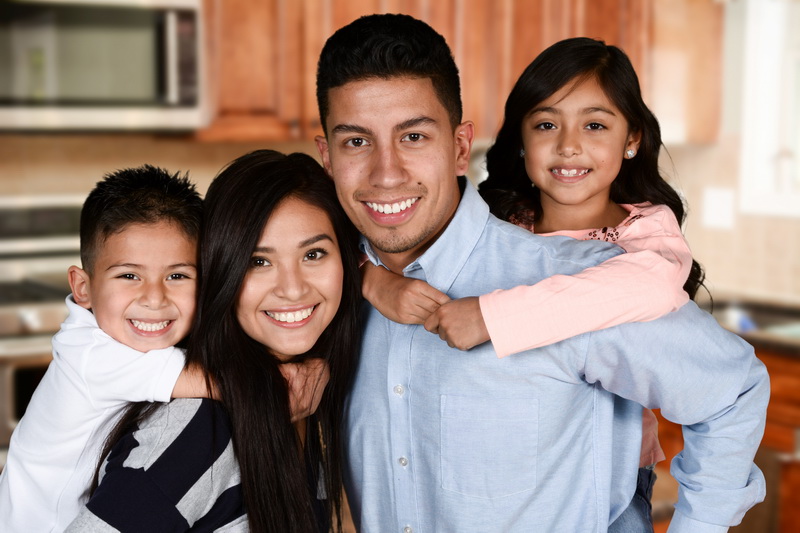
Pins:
<point x="306" y="382"/>
<point x="403" y="300"/>
<point x="459" y="323"/>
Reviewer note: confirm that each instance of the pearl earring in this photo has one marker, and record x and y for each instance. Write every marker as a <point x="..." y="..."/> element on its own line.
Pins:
<point x="522" y="152"/>
<point x="630" y="153"/>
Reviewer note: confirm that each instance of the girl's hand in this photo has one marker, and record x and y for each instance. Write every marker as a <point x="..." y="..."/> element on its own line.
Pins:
<point x="306" y="382"/>
<point x="403" y="300"/>
<point x="459" y="323"/>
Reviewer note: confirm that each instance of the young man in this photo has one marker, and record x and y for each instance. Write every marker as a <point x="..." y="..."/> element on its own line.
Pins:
<point x="442" y="440"/>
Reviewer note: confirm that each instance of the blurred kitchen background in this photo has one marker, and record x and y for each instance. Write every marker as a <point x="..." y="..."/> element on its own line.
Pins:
<point x="87" y="87"/>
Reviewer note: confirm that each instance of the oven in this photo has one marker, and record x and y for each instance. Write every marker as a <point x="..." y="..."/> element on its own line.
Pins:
<point x="39" y="240"/>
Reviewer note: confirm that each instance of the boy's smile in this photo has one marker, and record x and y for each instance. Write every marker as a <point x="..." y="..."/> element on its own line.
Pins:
<point x="142" y="290"/>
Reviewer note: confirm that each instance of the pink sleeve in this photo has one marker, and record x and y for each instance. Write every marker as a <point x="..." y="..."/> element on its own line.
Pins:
<point x="641" y="285"/>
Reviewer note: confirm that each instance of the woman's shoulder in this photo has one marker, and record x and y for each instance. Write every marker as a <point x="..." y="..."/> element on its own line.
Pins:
<point x="181" y="423"/>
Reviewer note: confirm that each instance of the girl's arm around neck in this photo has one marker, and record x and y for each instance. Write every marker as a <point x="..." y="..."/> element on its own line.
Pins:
<point x="640" y="285"/>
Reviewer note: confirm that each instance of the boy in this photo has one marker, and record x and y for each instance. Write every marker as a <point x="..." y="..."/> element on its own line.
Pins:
<point x="132" y="302"/>
<point x="135" y="294"/>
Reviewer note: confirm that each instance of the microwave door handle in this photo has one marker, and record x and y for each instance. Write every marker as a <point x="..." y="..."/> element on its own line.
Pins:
<point x="172" y="95"/>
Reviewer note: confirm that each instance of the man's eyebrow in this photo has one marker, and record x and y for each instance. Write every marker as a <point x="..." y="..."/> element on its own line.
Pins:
<point x="416" y="121"/>
<point x="350" y="128"/>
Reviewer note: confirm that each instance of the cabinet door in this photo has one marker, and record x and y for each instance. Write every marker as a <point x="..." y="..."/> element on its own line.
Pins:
<point x="254" y="69"/>
<point x="263" y="53"/>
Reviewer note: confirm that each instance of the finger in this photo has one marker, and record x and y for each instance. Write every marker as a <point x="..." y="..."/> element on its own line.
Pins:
<point x="432" y="323"/>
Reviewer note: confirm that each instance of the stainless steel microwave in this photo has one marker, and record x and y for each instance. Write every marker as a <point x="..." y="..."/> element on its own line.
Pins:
<point x="101" y="65"/>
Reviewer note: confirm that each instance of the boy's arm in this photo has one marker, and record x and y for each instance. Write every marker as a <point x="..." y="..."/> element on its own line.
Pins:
<point x="192" y="383"/>
<point x="403" y="300"/>
<point x="641" y="285"/>
<point x="706" y="379"/>
<point x="306" y="382"/>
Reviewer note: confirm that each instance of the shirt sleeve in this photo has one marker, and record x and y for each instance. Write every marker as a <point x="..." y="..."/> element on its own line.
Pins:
<point x="640" y="285"/>
<point x="113" y="372"/>
<point x="708" y="380"/>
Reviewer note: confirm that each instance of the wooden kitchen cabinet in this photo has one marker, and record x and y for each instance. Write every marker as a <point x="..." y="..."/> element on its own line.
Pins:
<point x="263" y="53"/>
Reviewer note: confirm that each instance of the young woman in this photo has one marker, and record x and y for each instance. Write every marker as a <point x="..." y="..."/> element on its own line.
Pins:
<point x="279" y="282"/>
<point x="576" y="155"/>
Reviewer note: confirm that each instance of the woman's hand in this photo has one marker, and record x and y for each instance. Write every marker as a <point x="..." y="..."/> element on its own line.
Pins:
<point x="459" y="323"/>
<point x="306" y="382"/>
<point x="403" y="300"/>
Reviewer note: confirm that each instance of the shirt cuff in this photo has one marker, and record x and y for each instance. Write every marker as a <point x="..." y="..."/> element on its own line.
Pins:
<point x="681" y="523"/>
<point x="169" y="376"/>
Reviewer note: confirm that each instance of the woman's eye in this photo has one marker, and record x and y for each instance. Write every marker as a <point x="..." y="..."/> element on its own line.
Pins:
<point x="315" y="255"/>
<point x="258" y="262"/>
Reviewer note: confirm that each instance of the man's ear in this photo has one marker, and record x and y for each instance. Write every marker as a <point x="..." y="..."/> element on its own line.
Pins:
<point x="79" y="282"/>
<point x="464" y="134"/>
<point x="322" y="146"/>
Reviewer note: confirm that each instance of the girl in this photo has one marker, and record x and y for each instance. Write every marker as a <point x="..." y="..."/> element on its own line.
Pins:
<point x="577" y="155"/>
<point x="278" y="283"/>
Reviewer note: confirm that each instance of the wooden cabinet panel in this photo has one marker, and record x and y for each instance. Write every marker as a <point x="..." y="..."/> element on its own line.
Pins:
<point x="263" y="53"/>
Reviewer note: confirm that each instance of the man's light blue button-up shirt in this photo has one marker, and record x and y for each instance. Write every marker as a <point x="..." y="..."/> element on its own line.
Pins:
<point x="441" y="440"/>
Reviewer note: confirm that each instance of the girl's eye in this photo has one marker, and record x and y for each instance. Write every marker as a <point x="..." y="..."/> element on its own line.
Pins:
<point x="259" y="262"/>
<point x="356" y="142"/>
<point x="595" y="126"/>
<point x="545" y="126"/>
<point x="413" y="137"/>
<point x="315" y="255"/>
<point x="177" y="275"/>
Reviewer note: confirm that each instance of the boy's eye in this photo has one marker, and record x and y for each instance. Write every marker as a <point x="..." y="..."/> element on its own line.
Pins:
<point x="128" y="276"/>
<point x="315" y="255"/>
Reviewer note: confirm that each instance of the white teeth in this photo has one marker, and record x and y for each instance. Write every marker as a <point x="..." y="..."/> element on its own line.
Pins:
<point x="150" y="326"/>
<point x="570" y="172"/>
<point x="295" y="316"/>
<point x="392" y="208"/>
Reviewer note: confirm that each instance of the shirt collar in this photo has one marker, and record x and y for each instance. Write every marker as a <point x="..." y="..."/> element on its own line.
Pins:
<point x="443" y="260"/>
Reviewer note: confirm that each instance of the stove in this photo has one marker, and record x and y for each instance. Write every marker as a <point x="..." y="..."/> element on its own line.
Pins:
<point x="39" y="240"/>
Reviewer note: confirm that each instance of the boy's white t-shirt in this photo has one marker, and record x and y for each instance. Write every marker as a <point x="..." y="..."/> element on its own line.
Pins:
<point x="55" y="447"/>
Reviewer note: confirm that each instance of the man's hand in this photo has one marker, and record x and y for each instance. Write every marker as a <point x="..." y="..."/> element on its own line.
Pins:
<point x="459" y="323"/>
<point x="403" y="300"/>
<point x="306" y="382"/>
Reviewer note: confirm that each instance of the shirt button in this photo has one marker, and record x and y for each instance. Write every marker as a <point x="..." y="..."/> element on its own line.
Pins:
<point x="399" y="390"/>
<point x="403" y="461"/>
<point x="408" y="529"/>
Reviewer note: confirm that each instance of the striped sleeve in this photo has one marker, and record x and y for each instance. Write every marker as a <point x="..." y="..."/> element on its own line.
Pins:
<point x="177" y="472"/>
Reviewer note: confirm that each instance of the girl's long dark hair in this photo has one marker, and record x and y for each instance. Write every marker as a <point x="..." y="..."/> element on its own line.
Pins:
<point x="508" y="188"/>
<point x="237" y="206"/>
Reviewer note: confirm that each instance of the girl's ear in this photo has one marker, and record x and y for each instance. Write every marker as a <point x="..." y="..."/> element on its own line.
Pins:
<point x="634" y="140"/>
<point x="80" y="284"/>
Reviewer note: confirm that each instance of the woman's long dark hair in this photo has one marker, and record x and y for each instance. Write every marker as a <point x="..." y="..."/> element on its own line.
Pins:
<point x="237" y="206"/>
<point x="508" y="188"/>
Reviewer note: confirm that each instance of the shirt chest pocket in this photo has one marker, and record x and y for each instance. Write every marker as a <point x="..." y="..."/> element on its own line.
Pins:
<point x="489" y="445"/>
